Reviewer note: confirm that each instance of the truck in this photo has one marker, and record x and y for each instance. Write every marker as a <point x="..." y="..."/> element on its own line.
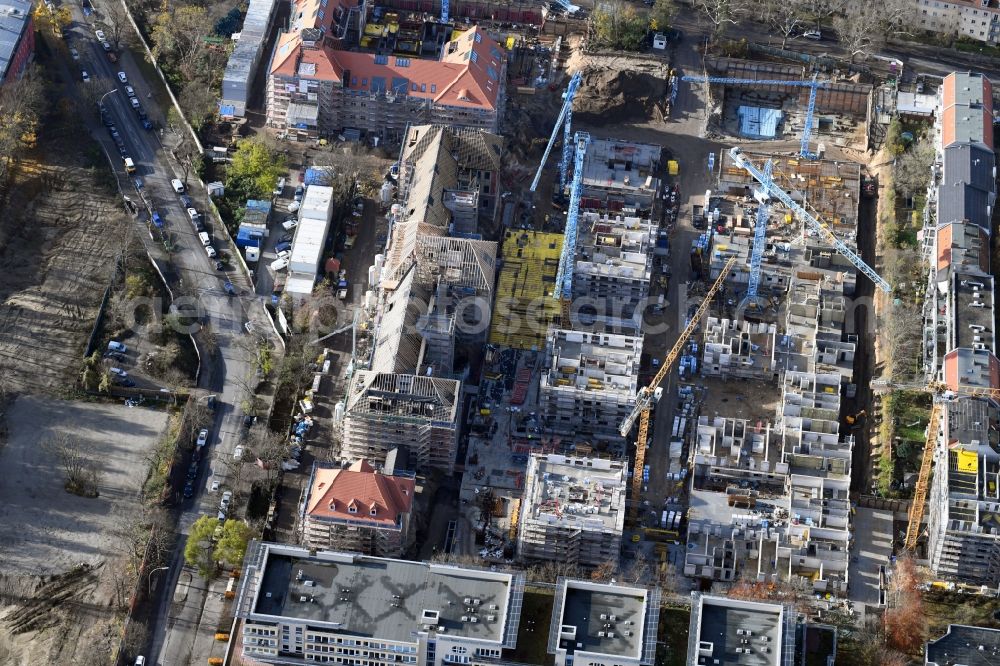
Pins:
<point x="698" y="217"/>
<point x="129" y="165"/>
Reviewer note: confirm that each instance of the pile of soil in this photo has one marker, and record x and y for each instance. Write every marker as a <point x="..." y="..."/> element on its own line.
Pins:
<point x="609" y="96"/>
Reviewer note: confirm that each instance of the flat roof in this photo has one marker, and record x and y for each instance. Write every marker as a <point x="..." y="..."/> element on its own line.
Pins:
<point x="621" y="165"/>
<point x="598" y="362"/>
<point x="727" y="625"/>
<point x="966" y="646"/>
<point x="973" y="311"/>
<point x="382" y="598"/>
<point x="604" y="620"/>
<point x="587" y="493"/>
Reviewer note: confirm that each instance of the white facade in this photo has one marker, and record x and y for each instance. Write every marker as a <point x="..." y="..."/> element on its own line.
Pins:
<point x="974" y="19"/>
<point x="310" y="239"/>
<point x="243" y="61"/>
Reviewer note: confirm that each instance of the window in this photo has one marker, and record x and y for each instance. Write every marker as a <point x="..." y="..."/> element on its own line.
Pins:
<point x="354" y="81"/>
<point x="381" y="60"/>
<point x="322" y="14"/>
<point x="414" y="88"/>
<point x="352" y="509"/>
<point x="434" y="88"/>
<point x="474" y="56"/>
<point x="423" y="87"/>
<point x="402" y="62"/>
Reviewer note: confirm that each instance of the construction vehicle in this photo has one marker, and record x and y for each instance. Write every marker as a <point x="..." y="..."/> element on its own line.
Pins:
<point x="853" y="419"/>
<point x="644" y="398"/>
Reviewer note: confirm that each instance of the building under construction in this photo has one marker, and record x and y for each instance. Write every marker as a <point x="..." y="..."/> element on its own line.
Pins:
<point x="525" y="306"/>
<point x="384" y="410"/>
<point x="573" y="510"/>
<point x="590" y="385"/>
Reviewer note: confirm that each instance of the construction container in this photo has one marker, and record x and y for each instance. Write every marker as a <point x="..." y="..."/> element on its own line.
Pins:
<point x="673" y="168"/>
<point x="221" y="636"/>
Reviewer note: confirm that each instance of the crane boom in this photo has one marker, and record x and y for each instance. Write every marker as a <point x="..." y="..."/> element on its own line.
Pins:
<point x="564" y="275"/>
<point x="574" y="84"/>
<point x="819" y="227"/>
<point x="645" y="394"/>
<point x="916" y="515"/>
<point x="759" y="233"/>
<point x="807" y="129"/>
<point x="937" y="388"/>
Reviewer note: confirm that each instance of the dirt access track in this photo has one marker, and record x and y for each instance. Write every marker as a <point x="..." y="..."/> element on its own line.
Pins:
<point x="60" y="226"/>
<point x="58" y="551"/>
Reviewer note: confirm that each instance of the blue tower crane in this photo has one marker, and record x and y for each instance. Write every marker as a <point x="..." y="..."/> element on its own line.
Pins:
<point x="759" y="232"/>
<point x="813" y="84"/>
<point x="445" y="11"/>
<point x="768" y="185"/>
<point x="563" y="117"/>
<point x="564" y="276"/>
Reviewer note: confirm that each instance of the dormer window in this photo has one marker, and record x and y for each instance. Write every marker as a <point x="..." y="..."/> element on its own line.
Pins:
<point x="352" y="508"/>
<point x="373" y="511"/>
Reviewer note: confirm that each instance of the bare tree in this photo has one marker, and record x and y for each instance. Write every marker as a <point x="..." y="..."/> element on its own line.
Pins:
<point x="188" y="158"/>
<point x="912" y="170"/>
<point x="83" y="473"/>
<point x="785" y="17"/>
<point x="638" y="571"/>
<point x="270" y="449"/>
<point x="721" y="13"/>
<point x="116" y="20"/>
<point x="819" y="10"/>
<point x="605" y="571"/>
<point x="863" y="28"/>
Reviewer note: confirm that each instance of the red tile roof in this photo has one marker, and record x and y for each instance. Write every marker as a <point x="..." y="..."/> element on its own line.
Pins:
<point x="468" y="75"/>
<point x="335" y="491"/>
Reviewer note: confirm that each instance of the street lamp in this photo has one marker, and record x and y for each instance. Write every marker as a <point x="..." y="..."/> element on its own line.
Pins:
<point x="149" y="577"/>
<point x="100" y="104"/>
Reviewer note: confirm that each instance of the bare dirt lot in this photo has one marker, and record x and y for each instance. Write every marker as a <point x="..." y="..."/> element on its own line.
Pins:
<point x="57" y="237"/>
<point x="58" y="551"/>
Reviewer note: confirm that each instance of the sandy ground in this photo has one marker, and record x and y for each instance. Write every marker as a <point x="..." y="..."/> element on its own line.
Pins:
<point x="50" y="537"/>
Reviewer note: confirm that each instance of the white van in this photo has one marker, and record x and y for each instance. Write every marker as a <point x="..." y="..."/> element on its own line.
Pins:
<point x="205" y="240"/>
<point x="177" y="185"/>
<point x="279" y="264"/>
<point x="279" y="188"/>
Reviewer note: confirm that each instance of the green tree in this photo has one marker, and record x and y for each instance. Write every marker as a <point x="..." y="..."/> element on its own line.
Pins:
<point x="198" y="551"/>
<point x="104" y="385"/>
<point x="894" y="138"/>
<point x="254" y="169"/>
<point x="179" y="38"/>
<point x="662" y="15"/>
<point x="232" y="547"/>
<point x="90" y="375"/>
<point x="616" y="25"/>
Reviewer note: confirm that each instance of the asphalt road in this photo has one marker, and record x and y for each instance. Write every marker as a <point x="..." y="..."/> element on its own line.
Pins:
<point x="176" y="614"/>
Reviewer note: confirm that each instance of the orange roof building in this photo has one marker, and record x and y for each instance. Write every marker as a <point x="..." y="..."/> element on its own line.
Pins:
<point x="314" y="89"/>
<point x="359" y="509"/>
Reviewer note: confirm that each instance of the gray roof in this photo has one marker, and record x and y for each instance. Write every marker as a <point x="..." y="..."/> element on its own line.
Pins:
<point x="960" y="201"/>
<point x="14" y="15"/>
<point x="969" y="163"/>
<point x="965" y="645"/>
<point x="756" y="629"/>
<point x="968" y="88"/>
<point x="584" y="609"/>
<point x="382" y="598"/>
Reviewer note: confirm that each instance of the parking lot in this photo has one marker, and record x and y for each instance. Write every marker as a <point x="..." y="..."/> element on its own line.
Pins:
<point x="44" y="529"/>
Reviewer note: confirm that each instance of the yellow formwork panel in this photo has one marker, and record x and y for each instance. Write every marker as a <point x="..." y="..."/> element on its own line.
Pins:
<point x="968" y="461"/>
<point x="525" y="305"/>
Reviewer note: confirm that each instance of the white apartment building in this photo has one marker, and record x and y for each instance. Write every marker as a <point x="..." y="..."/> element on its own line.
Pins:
<point x="573" y="510"/>
<point x="975" y="19"/>
<point x="590" y="385"/>
<point x="306" y="607"/>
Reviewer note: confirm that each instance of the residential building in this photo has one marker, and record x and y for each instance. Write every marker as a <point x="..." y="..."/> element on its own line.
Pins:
<point x="241" y="70"/>
<point x="736" y="632"/>
<point x="359" y="509"/>
<point x="17" y="38"/>
<point x="590" y="385"/>
<point x="601" y="624"/>
<point x="298" y="606"/>
<point x="964" y="521"/>
<point x="620" y="177"/>
<point x="572" y="511"/>
<point x="385" y="409"/>
<point x="739" y="348"/>
<point x="964" y="645"/>
<point x="316" y="90"/>
<point x="612" y="270"/>
<point x="978" y="20"/>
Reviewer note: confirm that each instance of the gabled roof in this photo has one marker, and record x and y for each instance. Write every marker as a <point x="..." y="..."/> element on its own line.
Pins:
<point x="967" y="104"/>
<point x="14" y="18"/>
<point x="962" y="244"/>
<point x="468" y="75"/>
<point x="334" y="492"/>
<point x="970" y="163"/>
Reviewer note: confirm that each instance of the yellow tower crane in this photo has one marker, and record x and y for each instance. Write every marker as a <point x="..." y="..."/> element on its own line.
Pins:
<point x="938" y="389"/>
<point x="644" y="398"/>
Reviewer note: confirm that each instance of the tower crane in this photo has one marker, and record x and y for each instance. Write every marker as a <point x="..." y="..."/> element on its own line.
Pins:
<point x="445" y="11"/>
<point x="767" y="184"/>
<point x="759" y="232"/>
<point x="813" y="84"/>
<point x="563" y="117"/>
<point x="564" y="275"/>
<point x="644" y="398"/>
<point x="938" y="389"/>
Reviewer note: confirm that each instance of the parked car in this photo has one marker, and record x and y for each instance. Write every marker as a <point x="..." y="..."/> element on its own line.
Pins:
<point x="284" y="254"/>
<point x="177" y="185"/>
<point x="186" y="201"/>
<point x="202" y="438"/>
<point x="249" y="328"/>
<point x="300" y="192"/>
<point x="126" y="382"/>
<point x="192" y="213"/>
<point x="119" y="372"/>
<point x="226" y="499"/>
<point x="123" y="79"/>
<point x="75" y="54"/>
<point x="192" y="472"/>
<point x="114" y="345"/>
<point x="106" y="46"/>
<point x="219" y="265"/>
<point x="279" y="187"/>
<point x="210" y="251"/>
<point x="289" y="224"/>
<point x="188" y="490"/>
<point x="130" y="91"/>
<point x="238" y="452"/>
<point x="230" y="289"/>
<point x="813" y="34"/>
<point x="279" y="264"/>
<point x="286" y="238"/>
<point x="205" y="240"/>
<point x="135" y="103"/>
<point x="283" y="246"/>
<point x="214" y="488"/>
<point x="100" y="35"/>
<point x="85" y="76"/>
